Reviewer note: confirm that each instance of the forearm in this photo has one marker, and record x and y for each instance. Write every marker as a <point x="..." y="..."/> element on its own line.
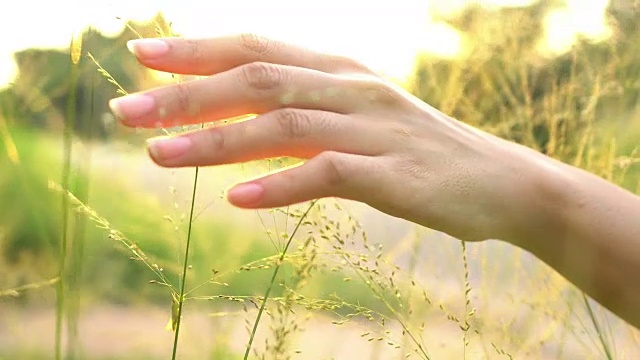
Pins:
<point x="589" y="231"/>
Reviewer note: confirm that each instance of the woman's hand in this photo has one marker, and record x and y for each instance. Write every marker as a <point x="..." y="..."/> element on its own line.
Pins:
<point x="370" y="141"/>
<point x="365" y="139"/>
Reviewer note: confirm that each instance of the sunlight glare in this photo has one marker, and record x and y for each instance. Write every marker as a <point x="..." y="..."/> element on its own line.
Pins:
<point x="565" y="24"/>
<point x="451" y="7"/>
<point x="384" y="35"/>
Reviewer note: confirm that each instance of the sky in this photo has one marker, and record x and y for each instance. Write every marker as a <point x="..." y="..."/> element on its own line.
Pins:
<point x="385" y="35"/>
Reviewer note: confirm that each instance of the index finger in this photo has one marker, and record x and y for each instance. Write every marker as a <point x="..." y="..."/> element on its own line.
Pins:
<point x="214" y="55"/>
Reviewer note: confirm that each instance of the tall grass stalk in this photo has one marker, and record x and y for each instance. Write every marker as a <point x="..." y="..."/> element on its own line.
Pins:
<point x="378" y="293"/>
<point x="81" y="187"/>
<point x="66" y="180"/>
<point x="592" y="316"/>
<point x="164" y="31"/>
<point x="113" y="234"/>
<point x="272" y="282"/>
<point x="185" y="265"/>
<point x="467" y="301"/>
<point x="416" y="248"/>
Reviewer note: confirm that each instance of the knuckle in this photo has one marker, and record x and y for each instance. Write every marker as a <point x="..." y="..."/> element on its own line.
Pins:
<point x="195" y="50"/>
<point x="346" y="64"/>
<point x="213" y="140"/>
<point x="411" y="166"/>
<point x="181" y="95"/>
<point x="263" y="76"/>
<point x="335" y="169"/>
<point x="295" y="124"/>
<point x="257" y="44"/>
<point x="402" y="132"/>
<point x="379" y="92"/>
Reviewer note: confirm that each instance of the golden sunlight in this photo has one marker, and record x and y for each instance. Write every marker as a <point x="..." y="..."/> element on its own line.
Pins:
<point x="384" y="35"/>
<point x="565" y="24"/>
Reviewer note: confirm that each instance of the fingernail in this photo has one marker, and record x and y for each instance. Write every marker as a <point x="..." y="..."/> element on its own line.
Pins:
<point x="132" y="106"/>
<point x="165" y="148"/>
<point x="246" y="194"/>
<point x="148" y="48"/>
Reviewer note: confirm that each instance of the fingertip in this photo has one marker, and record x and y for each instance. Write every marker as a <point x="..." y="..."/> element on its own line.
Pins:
<point x="168" y="150"/>
<point x="128" y="109"/>
<point x="115" y="109"/>
<point x="148" y="49"/>
<point x="246" y="195"/>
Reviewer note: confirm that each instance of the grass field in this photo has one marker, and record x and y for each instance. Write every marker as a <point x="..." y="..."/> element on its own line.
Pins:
<point x="94" y="237"/>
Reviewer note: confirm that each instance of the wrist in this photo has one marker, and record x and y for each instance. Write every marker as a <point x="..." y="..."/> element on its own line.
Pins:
<point x="546" y="192"/>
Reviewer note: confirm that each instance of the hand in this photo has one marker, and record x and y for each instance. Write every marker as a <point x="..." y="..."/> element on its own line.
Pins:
<point x="364" y="138"/>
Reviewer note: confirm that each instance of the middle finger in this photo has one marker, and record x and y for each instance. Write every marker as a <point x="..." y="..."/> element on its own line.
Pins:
<point x="254" y="88"/>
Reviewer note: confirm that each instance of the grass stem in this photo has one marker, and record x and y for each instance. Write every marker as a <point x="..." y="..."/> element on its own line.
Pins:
<point x="273" y="280"/>
<point x="185" y="265"/>
<point x="66" y="180"/>
<point x="592" y="316"/>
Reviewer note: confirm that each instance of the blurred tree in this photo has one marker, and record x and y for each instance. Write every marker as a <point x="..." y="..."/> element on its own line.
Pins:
<point x="38" y="99"/>
<point x="41" y="89"/>
<point x="506" y="85"/>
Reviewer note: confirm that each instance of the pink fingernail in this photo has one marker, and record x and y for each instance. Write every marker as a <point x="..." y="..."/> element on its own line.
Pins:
<point x="165" y="148"/>
<point x="246" y="194"/>
<point x="148" y="48"/>
<point x="132" y="106"/>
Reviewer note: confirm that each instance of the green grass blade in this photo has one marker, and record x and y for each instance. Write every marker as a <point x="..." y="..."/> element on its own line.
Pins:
<point x="66" y="180"/>
<point x="592" y="316"/>
<point x="185" y="265"/>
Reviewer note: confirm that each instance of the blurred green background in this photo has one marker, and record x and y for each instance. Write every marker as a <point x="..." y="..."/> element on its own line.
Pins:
<point x="580" y="106"/>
